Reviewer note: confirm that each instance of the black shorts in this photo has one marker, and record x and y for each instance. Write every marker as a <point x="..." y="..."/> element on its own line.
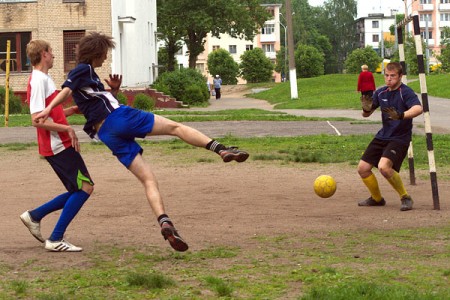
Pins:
<point x="393" y="150"/>
<point x="370" y="93"/>
<point x="70" y="168"/>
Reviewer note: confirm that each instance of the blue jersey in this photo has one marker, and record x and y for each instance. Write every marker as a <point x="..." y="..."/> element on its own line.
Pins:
<point x="90" y="96"/>
<point x="402" y="99"/>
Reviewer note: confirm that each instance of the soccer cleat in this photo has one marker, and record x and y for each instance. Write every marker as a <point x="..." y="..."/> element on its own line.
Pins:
<point x="232" y="153"/>
<point x="407" y="203"/>
<point x="170" y="233"/>
<point x="61" y="246"/>
<point x="33" y="227"/>
<point x="371" y="202"/>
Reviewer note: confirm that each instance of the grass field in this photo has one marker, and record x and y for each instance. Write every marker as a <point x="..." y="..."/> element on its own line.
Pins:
<point x="395" y="264"/>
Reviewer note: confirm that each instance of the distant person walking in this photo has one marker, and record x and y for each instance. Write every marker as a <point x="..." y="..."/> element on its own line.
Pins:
<point x="366" y="82"/>
<point x="217" y="82"/>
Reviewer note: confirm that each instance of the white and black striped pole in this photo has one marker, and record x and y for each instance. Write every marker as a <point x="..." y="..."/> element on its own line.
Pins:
<point x="426" y="111"/>
<point x="401" y="51"/>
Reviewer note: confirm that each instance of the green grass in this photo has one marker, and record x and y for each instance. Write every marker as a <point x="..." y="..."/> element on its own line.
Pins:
<point x="437" y="85"/>
<point x="329" y="91"/>
<point x="360" y="264"/>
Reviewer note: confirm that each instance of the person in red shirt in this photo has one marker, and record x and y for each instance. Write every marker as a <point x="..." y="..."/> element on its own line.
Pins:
<point x="366" y="82"/>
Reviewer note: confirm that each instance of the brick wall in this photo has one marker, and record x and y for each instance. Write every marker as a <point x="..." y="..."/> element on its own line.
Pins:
<point x="47" y="19"/>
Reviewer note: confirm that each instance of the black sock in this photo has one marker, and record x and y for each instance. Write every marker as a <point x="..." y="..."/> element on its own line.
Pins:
<point x="215" y="146"/>
<point x="164" y="219"/>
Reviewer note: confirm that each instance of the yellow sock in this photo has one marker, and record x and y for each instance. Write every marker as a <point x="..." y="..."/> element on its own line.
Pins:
<point x="372" y="184"/>
<point x="397" y="184"/>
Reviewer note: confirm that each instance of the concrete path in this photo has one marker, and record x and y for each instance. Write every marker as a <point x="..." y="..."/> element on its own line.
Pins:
<point x="439" y="108"/>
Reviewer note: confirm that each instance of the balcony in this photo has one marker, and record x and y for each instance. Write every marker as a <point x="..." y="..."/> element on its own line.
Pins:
<point x="268" y="38"/>
<point x="423" y="24"/>
<point x="444" y="6"/>
<point x="444" y="24"/>
<point x="426" y="7"/>
<point x="271" y="55"/>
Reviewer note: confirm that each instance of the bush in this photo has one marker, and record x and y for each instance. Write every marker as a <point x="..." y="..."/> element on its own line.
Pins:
<point x="255" y="66"/>
<point x="122" y="98"/>
<point x="194" y="94"/>
<point x="176" y="84"/>
<point x="143" y="102"/>
<point x="15" y="103"/>
<point x="220" y="62"/>
<point x="309" y="61"/>
<point x="365" y="56"/>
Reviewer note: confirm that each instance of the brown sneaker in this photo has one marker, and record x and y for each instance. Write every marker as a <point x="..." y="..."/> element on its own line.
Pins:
<point x="407" y="203"/>
<point x="232" y="153"/>
<point x="371" y="202"/>
<point x="170" y="233"/>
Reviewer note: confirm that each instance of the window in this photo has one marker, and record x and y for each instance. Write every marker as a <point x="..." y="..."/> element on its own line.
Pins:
<point x="232" y="49"/>
<point x="72" y="1"/>
<point x="445" y="1"/>
<point x="445" y="16"/>
<point x="70" y="41"/>
<point x="18" y="56"/>
<point x="375" y="38"/>
<point x="445" y="34"/>
<point x="375" y="24"/>
<point x="268" y="29"/>
<point x="248" y="47"/>
<point x="200" y="67"/>
<point x="215" y="47"/>
<point x="425" y="1"/>
<point x="424" y="35"/>
<point x="425" y="17"/>
<point x="268" y="48"/>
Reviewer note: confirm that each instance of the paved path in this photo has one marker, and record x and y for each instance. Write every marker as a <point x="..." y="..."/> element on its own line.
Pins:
<point x="439" y="108"/>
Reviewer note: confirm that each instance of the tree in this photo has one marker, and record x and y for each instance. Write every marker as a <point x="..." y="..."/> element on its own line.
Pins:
<point x="337" y="22"/>
<point x="196" y="18"/>
<point x="309" y="61"/>
<point x="444" y="58"/>
<point x="255" y="66"/>
<point x="172" y="34"/>
<point x="220" y="62"/>
<point x="365" y="56"/>
<point x="281" y="62"/>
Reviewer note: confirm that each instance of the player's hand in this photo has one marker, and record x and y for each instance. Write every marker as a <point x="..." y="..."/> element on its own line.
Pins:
<point x="75" y="110"/>
<point x="393" y="113"/>
<point x="42" y="116"/>
<point x="74" y="139"/>
<point x="114" y="81"/>
<point x="366" y="103"/>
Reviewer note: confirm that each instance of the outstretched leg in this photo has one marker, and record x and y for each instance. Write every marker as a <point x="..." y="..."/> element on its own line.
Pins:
<point x="164" y="126"/>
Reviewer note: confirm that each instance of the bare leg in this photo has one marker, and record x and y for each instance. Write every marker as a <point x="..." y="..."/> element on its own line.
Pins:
<point x="145" y="175"/>
<point x="164" y="126"/>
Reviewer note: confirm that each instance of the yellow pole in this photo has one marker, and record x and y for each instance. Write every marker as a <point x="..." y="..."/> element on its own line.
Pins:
<point x="8" y="61"/>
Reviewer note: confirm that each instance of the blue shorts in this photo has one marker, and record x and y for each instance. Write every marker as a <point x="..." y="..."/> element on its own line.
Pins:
<point x="70" y="168"/>
<point x="120" y="129"/>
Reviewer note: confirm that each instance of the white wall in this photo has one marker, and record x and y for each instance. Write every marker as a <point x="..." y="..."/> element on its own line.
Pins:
<point x="135" y="52"/>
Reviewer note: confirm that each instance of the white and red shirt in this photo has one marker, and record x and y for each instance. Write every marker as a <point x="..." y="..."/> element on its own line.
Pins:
<point x="41" y="91"/>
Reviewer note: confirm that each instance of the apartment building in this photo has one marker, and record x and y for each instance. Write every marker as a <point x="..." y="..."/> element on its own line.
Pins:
<point x="373" y="30"/>
<point x="132" y="23"/>
<point x="434" y="15"/>
<point x="267" y="39"/>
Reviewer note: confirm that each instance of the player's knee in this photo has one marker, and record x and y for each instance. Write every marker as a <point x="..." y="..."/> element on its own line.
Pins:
<point x="87" y="188"/>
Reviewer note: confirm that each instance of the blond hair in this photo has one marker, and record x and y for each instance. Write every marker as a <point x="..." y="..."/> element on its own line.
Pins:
<point x="35" y="49"/>
<point x="364" y="67"/>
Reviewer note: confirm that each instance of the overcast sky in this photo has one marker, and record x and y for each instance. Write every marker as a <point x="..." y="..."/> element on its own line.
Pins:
<point x="371" y="6"/>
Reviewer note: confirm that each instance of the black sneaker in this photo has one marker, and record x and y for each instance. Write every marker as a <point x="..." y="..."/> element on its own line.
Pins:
<point x="407" y="203"/>
<point x="170" y="233"/>
<point x="371" y="202"/>
<point x="232" y="153"/>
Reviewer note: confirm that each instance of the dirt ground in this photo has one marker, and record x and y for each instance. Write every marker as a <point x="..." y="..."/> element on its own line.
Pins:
<point x="211" y="203"/>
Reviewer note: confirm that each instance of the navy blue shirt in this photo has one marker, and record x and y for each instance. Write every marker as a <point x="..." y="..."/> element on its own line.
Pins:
<point x="402" y="99"/>
<point x="90" y="96"/>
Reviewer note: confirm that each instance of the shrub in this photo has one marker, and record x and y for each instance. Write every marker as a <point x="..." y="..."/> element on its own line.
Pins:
<point x="220" y="62"/>
<point x="122" y="98"/>
<point x="15" y="103"/>
<point x="255" y="66"/>
<point x="143" y="102"/>
<point x="176" y="84"/>
<point x="194" y="94"/>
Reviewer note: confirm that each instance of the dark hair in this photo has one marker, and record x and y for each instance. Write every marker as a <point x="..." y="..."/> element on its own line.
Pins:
<point x="395" y="66"/>
<point x="92" y="46"/>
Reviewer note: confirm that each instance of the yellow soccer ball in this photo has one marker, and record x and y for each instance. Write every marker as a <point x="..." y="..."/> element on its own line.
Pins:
<point x="324" y="186"/>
